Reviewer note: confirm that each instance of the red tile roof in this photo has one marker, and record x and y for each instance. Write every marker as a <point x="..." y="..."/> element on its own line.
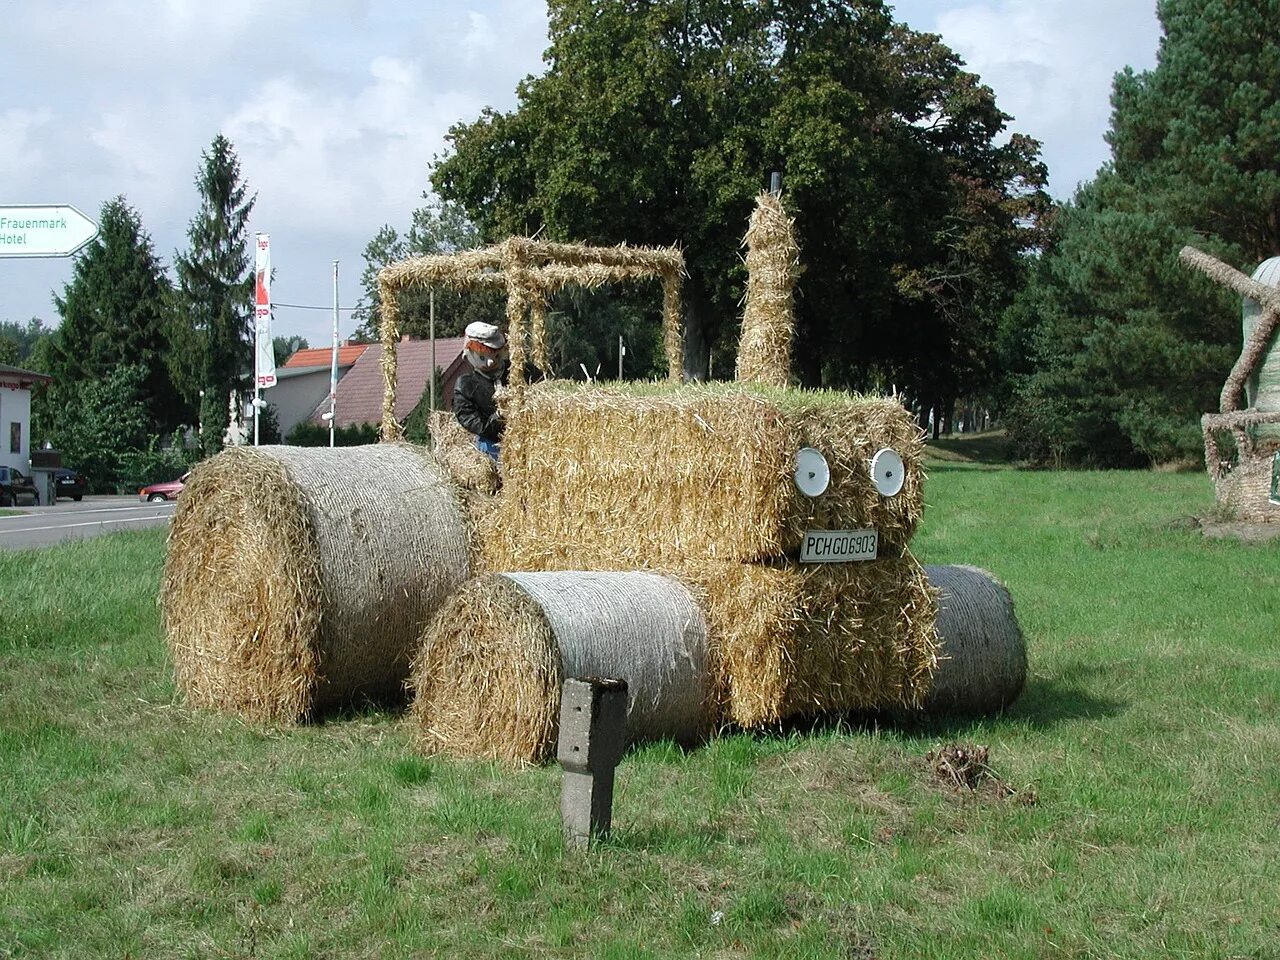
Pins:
<point x="323" y="356"/>
<point x="360" y="390"/>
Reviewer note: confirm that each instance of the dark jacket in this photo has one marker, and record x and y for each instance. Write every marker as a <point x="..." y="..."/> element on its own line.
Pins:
<point x="474" y="407"/>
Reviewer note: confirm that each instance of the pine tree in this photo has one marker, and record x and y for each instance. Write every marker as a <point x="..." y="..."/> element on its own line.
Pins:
<point x="213" y="334"/>
<point x="1120" y="350"/>
<point x="115" y="313"/>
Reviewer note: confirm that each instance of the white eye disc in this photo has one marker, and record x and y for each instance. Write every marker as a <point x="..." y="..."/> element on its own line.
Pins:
<point x="812" y="473"/>
<point x="887" y="471"/>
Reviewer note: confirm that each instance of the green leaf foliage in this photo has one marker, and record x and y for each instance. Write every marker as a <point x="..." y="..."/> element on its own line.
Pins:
<point x="1115" y="350"/>
<point x="658" y="123"/>
<point x="19" y="340"/>
<point x="436" y="228"/>
<point x="308" y="434"/>
<point x="102" y="422"/>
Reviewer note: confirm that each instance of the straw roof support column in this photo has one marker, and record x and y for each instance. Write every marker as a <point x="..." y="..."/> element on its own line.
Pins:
<point x="671" y="324"/>
<point x="515" y="264"/>
<point x="389" y="327"/>
<point x="538" y="329"/>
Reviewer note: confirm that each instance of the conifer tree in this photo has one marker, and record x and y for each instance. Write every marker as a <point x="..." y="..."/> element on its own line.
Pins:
<point x="115" y="313"/>
<point x="1120" y="349"/>
<point x="213" y="345"/>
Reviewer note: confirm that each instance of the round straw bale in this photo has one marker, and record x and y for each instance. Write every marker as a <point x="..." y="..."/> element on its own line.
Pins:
<point x="491" y="663"/>
<point x="298" y="577"/>
<point x="982" y="661"/>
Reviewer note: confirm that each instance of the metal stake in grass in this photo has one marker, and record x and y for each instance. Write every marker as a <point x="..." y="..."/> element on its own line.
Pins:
<point x="593" y="733"/>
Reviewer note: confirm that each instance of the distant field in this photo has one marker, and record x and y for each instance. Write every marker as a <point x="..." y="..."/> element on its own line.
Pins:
<point x="1142" y="820"/>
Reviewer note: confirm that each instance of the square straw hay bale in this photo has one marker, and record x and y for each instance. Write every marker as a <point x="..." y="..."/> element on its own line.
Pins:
<point x="798" y="640"/>
<point x="624" y="477"/>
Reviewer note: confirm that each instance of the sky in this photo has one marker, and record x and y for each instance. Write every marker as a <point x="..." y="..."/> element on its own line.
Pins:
<point x="337" y="108"/>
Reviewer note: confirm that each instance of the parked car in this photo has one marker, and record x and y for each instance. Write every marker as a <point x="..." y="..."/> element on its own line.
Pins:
<point x="68" y="483"/>
<point x="158" y="492"/>
<point x="15" y="486"/>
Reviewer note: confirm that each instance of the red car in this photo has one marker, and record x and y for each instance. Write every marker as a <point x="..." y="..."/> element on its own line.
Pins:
<point x="159" y="492"/>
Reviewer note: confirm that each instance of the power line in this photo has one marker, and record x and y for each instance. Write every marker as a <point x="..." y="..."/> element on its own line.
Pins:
<point x="303" y="306"/>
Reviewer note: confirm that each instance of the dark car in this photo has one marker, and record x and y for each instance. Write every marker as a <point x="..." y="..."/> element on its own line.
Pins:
<point x="159" y="492"/>
<point x="68" y="483"/>
<point x="15" y="486"/>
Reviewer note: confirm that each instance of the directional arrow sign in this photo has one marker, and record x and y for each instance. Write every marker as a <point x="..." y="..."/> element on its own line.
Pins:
<point x="33" y="231"/>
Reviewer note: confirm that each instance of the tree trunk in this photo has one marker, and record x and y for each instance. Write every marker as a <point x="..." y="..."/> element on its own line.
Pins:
<point x="697" y="332"/>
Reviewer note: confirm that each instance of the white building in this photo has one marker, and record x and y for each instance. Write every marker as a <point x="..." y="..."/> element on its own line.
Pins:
<point x="15" y="415"/>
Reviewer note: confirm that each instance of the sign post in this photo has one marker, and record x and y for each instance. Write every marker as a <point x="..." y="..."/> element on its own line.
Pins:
<point x="29" y="230"/>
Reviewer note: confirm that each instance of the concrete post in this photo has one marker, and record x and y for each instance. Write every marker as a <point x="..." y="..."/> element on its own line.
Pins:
<point x="593" y="734"/>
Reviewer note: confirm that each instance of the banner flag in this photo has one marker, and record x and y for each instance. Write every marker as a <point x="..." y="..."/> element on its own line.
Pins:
<point x="264" y="348"/>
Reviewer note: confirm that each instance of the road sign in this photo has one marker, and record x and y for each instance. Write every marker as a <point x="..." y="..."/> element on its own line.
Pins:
<point x="27" y="230"/>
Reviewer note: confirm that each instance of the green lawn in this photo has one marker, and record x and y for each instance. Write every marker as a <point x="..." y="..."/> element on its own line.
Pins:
<point x="1144" y="751"/>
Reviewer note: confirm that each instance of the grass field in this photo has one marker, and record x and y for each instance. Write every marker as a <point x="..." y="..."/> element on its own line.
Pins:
<point x="1143" y="821"/>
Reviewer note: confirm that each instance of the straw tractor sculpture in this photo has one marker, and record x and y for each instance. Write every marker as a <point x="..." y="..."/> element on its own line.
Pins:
<point x="1246" y="483"/>
<point x="657" y="533"/>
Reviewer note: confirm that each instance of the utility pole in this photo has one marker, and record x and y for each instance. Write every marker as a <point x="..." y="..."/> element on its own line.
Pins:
<point x="622" y="352"/>
<point x="333" y="363"/>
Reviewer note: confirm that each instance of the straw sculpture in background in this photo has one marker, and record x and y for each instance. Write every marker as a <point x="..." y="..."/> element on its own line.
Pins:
<point x="1243" y="486"/>
<point x="487" y="680"/>
<point x="530" y="271"/>
<point x="768" y="320"/>
<point x="297" y="578"/>
<point x="982" y="657"/>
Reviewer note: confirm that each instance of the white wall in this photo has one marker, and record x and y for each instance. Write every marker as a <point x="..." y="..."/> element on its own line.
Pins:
<point x="296" y="396"/>
<point x="15" y="407"/>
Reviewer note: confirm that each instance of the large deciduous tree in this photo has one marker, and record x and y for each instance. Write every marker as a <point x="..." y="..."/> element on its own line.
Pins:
<point x="1120" y="349"/>
<point x="658" y="122"/>
<point x="114" y="314"/>
<point x="435" y="228"/>
<point x="212" y="338"/>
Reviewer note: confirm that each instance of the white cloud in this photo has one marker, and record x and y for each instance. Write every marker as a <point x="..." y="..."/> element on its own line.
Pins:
<point x="1051" y="63"/>
<point x="19" y="146"/>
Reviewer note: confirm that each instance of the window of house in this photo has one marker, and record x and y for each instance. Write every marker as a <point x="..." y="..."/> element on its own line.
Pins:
<point x="15" y="437"/>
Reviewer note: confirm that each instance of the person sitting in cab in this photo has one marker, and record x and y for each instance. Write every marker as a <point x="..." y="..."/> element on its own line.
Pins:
<point x="473" y="400"/>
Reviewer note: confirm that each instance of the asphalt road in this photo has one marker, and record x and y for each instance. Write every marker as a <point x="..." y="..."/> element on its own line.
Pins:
<point x="66" y="520"/>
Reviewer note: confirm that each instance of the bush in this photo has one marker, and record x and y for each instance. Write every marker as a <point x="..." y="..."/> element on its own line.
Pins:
<point x="307" y="434"/>
<point x="162" y="459"/>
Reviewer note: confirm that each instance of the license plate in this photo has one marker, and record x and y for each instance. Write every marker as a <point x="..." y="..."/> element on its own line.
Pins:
<point x="838" y="546"/>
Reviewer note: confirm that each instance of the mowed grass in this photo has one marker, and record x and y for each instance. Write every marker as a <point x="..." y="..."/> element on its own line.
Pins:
<point x="1145" y="821"/>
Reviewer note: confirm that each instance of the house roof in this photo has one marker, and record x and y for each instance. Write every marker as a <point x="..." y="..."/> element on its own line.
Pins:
<point x="11" y="376"/>
<point x="323" y="356"/>
<point x="360" y="391"/>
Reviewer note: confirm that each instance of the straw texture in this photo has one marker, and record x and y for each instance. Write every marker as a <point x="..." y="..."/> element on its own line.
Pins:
<point x="799" y="640"/>
<point x="768" y="321"/>
<point x="488" y="676"/>
<point x="982" y="659"/>
<point x="599" y="478"/>
<point x="455" y="449"/>
<point x="297" y="578"/>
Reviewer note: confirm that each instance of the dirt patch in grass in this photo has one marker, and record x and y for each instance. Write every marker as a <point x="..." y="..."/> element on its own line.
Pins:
<point x="1221" y="528"/>
<point x="965" y="769"/>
